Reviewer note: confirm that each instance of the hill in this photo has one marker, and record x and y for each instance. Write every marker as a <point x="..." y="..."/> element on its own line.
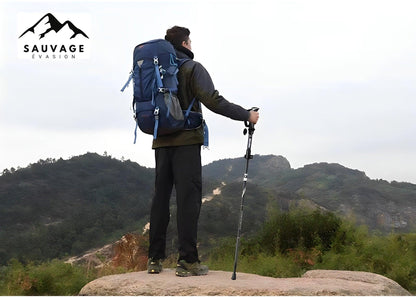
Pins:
<point x="61" y="207"/>
<point x="58" y="208"/>
<point x="381" y="205"/>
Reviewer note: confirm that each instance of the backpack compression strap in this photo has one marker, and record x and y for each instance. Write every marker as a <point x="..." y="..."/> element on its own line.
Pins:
<point x="156" y="114"/>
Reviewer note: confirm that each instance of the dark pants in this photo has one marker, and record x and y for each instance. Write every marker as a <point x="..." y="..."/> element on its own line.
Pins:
<point x="179" y="166"/>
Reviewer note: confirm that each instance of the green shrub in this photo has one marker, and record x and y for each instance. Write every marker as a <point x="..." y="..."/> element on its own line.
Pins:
<point x="291" y="243"/>
<point x="298" y="229"/>
<point x="50" y="278"/>
<point x="393" y="256"/>
<point x="222" y="258"/>
<point x="273" y="266"/>
<point x="222" y="255"/>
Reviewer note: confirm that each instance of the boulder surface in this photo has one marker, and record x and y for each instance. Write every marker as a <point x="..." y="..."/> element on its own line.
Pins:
<point x="314" y="282"/>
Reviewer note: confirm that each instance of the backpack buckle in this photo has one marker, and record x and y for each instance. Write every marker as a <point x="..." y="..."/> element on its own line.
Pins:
<point x="156" y="60"/>
<point x="156" y="112"/>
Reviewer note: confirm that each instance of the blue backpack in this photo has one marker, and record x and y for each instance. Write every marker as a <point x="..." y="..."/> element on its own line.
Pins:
<point x="157" y="110"/>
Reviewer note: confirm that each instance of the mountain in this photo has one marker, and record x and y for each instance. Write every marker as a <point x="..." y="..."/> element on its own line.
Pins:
<point x="58" y="208"/>
<point x="379" y="204"/>
<point x="49" y="23"/>
<point x="260" y="169"/>
<point x="62" y="207"/>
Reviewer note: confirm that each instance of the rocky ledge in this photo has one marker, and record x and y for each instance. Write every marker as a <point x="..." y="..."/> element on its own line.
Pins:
<point x="314" y="282"/>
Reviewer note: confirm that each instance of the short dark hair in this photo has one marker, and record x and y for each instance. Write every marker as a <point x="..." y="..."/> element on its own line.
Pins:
<point x="176" y="35"/>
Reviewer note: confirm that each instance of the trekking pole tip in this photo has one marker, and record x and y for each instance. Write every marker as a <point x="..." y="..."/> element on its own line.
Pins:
<point x="234" y="277"/>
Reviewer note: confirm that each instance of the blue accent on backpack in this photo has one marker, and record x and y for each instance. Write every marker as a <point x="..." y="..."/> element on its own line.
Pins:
<point x="157" y="109"/>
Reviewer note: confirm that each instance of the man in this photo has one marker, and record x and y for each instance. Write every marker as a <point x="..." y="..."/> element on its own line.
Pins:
<point x="178" y="162"/>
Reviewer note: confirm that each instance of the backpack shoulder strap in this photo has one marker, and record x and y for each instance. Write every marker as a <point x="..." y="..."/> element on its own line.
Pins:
<point x="182" y="61"/>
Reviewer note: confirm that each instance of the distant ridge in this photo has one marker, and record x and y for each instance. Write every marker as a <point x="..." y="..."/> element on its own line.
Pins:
<point x="55" y="25"/>
<point x="54" y="208"/>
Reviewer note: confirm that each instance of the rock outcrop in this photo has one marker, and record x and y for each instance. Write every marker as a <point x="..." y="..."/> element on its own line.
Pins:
<point x="315" y="282"/>
<point x="129" y="252"/>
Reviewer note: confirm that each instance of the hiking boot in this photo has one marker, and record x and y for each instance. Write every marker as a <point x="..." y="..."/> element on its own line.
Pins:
<point x="184" y="268"/>
<point x="154" y="266"/>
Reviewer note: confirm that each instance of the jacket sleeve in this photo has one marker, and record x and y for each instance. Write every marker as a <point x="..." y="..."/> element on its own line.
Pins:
<point x="204" y="90"/>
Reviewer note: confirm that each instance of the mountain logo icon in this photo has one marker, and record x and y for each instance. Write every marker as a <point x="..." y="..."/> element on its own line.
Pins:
<point x="49" y="24"/>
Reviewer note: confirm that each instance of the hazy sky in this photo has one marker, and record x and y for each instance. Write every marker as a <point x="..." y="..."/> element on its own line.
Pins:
<point x="335" y="80"/>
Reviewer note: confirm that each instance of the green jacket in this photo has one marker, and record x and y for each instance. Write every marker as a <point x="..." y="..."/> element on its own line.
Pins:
<point x="195" y="82"/>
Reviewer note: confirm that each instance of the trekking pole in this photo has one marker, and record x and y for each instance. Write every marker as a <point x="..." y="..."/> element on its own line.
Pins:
<point x="248" y="156"/>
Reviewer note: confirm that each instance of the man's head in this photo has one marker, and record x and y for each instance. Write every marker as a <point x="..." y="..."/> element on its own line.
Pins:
<point x="179" y="36"/>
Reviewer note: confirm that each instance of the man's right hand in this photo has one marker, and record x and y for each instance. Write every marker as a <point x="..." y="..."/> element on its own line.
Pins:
<point x="254" y="116"/>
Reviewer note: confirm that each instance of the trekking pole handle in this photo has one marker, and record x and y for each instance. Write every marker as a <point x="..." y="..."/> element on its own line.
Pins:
<point x="249" y="125"/>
